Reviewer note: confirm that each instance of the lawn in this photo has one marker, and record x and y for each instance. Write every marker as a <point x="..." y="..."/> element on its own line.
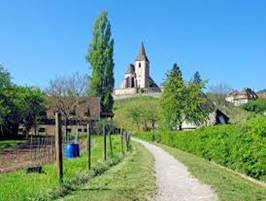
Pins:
<point x="22" y="186"/>
<point x="229" y="186"/>
<point x="130" y="180"/>
<point x="10" y="143"/>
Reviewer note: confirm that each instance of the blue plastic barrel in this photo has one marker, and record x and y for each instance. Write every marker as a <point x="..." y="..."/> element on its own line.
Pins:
<point x="72" y="151"/>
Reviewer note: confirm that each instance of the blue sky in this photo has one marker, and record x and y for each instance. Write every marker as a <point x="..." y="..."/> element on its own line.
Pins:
<point x="224" y="40"/>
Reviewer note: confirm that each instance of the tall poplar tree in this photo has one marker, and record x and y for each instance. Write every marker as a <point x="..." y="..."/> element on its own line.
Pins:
<point x="100" y="57"/>
<point x="173" y="101"/>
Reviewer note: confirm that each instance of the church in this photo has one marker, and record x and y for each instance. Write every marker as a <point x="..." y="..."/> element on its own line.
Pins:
<point x="137" y="78"/>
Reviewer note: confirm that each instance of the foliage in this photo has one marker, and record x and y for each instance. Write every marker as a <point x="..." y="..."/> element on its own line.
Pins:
<point x="197" y="106"/>
<point x="240" y="147"/>
<point x="100" y="57"/>
<point x="140" y="113"/>
<point x="226" y="184"/>
<point x="5" y="80"/>
<point x="181" y="101"/>
<point x="257" y="106"/>
<point x="18" y="105"/>
<point x="173" y="101"/>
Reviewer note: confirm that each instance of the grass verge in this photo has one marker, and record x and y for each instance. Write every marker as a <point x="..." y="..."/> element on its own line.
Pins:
<point x="4" y="144"/>
<point x="226" y="184"/>
<point x="130" y="180"/>
<point x="21" y="186"/>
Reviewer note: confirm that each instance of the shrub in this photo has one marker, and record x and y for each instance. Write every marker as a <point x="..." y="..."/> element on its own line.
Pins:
<point x="257" y="106"/>
<point x="241" y="147"/>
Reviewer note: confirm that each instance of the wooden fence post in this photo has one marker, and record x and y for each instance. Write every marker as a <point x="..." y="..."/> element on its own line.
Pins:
<point x="58" y="146"/>
<point x="89" y="144"/>
<point x="104" y="144"/>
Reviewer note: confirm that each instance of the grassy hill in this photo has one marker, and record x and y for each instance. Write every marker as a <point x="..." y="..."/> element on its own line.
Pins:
<point x="137" y="113"/>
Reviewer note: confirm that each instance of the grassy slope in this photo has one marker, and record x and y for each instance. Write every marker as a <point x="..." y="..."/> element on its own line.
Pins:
<point x="131" y="180"/>
<point x="228" y="186"/>
<point x="21" y="186"/>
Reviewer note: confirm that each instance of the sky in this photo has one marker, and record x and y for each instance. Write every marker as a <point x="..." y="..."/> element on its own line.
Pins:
<point x="224" y="40"/>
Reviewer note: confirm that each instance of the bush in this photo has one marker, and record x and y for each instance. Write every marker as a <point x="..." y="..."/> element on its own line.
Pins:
<point x="257" y="106"/>
<point x="240" y="147"/>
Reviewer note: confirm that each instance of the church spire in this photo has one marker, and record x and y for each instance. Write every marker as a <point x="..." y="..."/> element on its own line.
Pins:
<point x="142" y="54"/>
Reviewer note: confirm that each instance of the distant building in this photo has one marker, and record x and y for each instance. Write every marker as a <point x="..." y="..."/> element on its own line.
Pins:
<point x="81" y="110"/>
<point x="242" y="97"/>
<point x="216" y="117"/>
<point x="137" y="78"/>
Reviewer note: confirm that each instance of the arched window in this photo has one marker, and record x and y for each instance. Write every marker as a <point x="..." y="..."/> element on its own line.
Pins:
<point x="139" y="65"/>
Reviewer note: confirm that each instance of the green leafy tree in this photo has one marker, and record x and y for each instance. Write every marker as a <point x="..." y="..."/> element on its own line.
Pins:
<point x="197" y="79"/>
<point x="173" y="100"/>
<point x="100" y="57"/>
<point x="18" y="105"/>
<point x="197" y="108"/>
<point x="5" y="80"/>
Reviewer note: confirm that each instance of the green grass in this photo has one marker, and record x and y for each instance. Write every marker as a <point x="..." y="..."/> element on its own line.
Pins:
<point x="229" y="186"/>
<point x="10" y="143"/>
<point x="131" y="180"/>
<point x="22" y="186"/>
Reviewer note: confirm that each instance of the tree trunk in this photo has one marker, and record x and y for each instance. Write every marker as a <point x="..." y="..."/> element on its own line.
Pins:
<point x="180" y="127"/>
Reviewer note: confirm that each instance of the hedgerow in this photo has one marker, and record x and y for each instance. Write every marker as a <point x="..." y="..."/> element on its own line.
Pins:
<point x="241" y="147"/>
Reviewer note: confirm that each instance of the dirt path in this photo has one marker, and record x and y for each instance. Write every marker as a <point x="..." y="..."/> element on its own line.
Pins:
<point x="174" y="181"/>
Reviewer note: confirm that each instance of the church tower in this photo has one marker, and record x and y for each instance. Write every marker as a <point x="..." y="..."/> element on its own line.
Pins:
<point x="142" y="68"/>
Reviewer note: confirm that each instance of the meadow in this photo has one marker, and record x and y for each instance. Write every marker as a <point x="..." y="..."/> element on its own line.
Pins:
<point x="19" y="185"/>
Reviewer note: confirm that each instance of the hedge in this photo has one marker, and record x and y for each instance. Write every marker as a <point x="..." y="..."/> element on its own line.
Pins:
<point x="241" y="147"/>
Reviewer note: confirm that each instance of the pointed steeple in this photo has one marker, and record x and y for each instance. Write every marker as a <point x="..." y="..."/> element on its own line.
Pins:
<point x="142" y="54"/>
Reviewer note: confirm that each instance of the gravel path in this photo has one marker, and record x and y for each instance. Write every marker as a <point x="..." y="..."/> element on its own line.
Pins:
<point x="174" y="182"/>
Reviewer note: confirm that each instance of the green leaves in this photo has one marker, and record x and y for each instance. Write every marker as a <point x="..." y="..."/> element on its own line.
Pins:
<point x="241" y="147"/>
<point x="17" y="105"/>
<point x="257" y="106"/>
<point x="100" y="57"/>
<point x="181" y="101"/>
<point x="173" y="99"/>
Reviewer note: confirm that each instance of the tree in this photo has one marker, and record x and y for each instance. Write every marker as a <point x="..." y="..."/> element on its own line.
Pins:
<point x="217" y="94"/>
<point x="197" y="108"/>
<point x="18" y="105"/>
<point x="5" y="80"/>
<point x="67" y="91"/>
<point x="197" y="79"/>
<point x="173" y="100"/>
<point x="34" y="107"/>
<point x="100" y="57"/>
<point x="139" y="113"/>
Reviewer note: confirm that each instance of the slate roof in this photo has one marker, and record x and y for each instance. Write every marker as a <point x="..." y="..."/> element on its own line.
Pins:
<point x="131" y="69"/>
<point x="142" y="54"/>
